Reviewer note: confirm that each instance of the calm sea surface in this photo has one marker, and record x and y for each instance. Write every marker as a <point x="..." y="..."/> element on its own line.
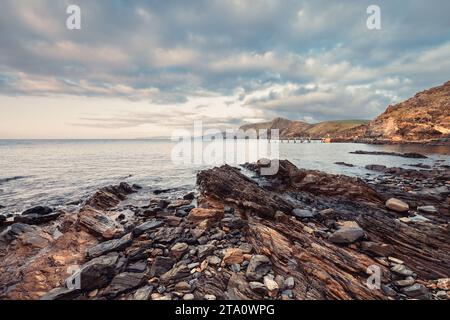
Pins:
<point x="58" y="172"/>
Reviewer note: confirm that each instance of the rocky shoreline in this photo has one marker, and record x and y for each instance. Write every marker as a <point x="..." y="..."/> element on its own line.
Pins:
<point x="299" y="234"/>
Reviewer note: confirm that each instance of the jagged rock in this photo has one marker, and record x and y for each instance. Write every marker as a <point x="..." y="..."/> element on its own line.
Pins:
<point x="289" y="283"/>
<point x="397" y="205"/>
<point x="189" y="196"/>
<point x="302" y="214"/>
<point x="137" y="267"/>
<point x="239" y="289"/>
<point x="161" y="265"/>
<point x="146" y="227"/>
<point x="39" y="210"/>
<point x="271" y="285"/>
<point x="37" y="218"/>
<point x="124" y="282"/>
<point x="443" y="284"/>
<point x="258" y="267"/>
<point x="97" y="223"/>
<point x="205" y="250"/>
<point x="258" y="287"/>
<point x="61" y="294"/>
<point x="96" y="273"/>
<point x="143" y="293"/>
<point x="176" y="273"/>
<point x="346" y="235"/>
<point x="178" y="250"/>
<point x="232" y="256"/>
<point x="178" y="204"/>
<point x="198" y="215"/>
<point x="109" y="197"/>
<point x="417" y="291"/>
<point x="109" y="246"/>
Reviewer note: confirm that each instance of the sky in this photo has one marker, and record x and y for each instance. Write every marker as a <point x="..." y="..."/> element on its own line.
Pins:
<point x="140" y="69"/>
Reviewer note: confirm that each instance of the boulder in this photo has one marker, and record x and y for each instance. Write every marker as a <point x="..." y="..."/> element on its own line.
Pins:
<point x="258" y="267"/>
<point x="397" y="205"/>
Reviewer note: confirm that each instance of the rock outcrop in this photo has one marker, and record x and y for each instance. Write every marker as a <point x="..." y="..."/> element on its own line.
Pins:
<point x="299" y="234"/>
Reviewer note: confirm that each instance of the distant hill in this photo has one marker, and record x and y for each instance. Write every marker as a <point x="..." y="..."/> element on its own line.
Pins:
<point x="291" y="129"/>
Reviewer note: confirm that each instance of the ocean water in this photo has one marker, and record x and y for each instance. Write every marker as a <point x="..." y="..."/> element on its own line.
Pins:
<point x="59" y="173"/>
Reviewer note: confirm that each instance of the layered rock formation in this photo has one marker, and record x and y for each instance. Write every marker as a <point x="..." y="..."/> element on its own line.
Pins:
<point x="299" y="234"/>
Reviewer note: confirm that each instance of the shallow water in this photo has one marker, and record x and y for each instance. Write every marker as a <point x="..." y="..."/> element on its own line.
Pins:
<point x="57" y="172"/>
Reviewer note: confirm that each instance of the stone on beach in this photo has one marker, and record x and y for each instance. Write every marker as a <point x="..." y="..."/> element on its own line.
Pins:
<point x="397" y="205"/>
<point x="258" y="267"/>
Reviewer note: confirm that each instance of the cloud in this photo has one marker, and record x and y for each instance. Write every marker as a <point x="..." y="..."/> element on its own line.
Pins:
<point x="299" y="59"/>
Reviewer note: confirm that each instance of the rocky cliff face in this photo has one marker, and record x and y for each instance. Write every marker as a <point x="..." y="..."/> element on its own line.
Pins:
<point x="424" y="117"/>
<point x="299" y="234"/>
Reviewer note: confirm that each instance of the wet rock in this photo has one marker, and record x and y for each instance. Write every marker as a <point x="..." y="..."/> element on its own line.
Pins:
<point x="37" y="218"/>
<point x="61" y="294"/>
<point x="346" y="235"/>
<point x="258" y="267"/>
<point x="189" y="196"/>
<point x="344" y="164"/>
<point x="109" y="197"/>
<point x="109" y="246"/>
<point x="161" y="265"/>
<point x="302" y="214"/>
<point x="146" y="227"/>
<point x="385" y="153"/>
<point x="397" y="205"/>
<point x="178" y="250"/>
<point x="39" y="210"/>
<point x="376" y="167"/>
<point x="98" y="224"/>
<point x="124" y="282"/>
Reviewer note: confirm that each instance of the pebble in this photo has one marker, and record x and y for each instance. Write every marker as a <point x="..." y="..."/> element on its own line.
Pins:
<point x="210" y="297"/>
<point x="188" y="297"/>
<point x="397" y="205"/>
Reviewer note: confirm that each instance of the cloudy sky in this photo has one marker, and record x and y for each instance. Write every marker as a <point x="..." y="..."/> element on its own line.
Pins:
<point x="144" y="68"/>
